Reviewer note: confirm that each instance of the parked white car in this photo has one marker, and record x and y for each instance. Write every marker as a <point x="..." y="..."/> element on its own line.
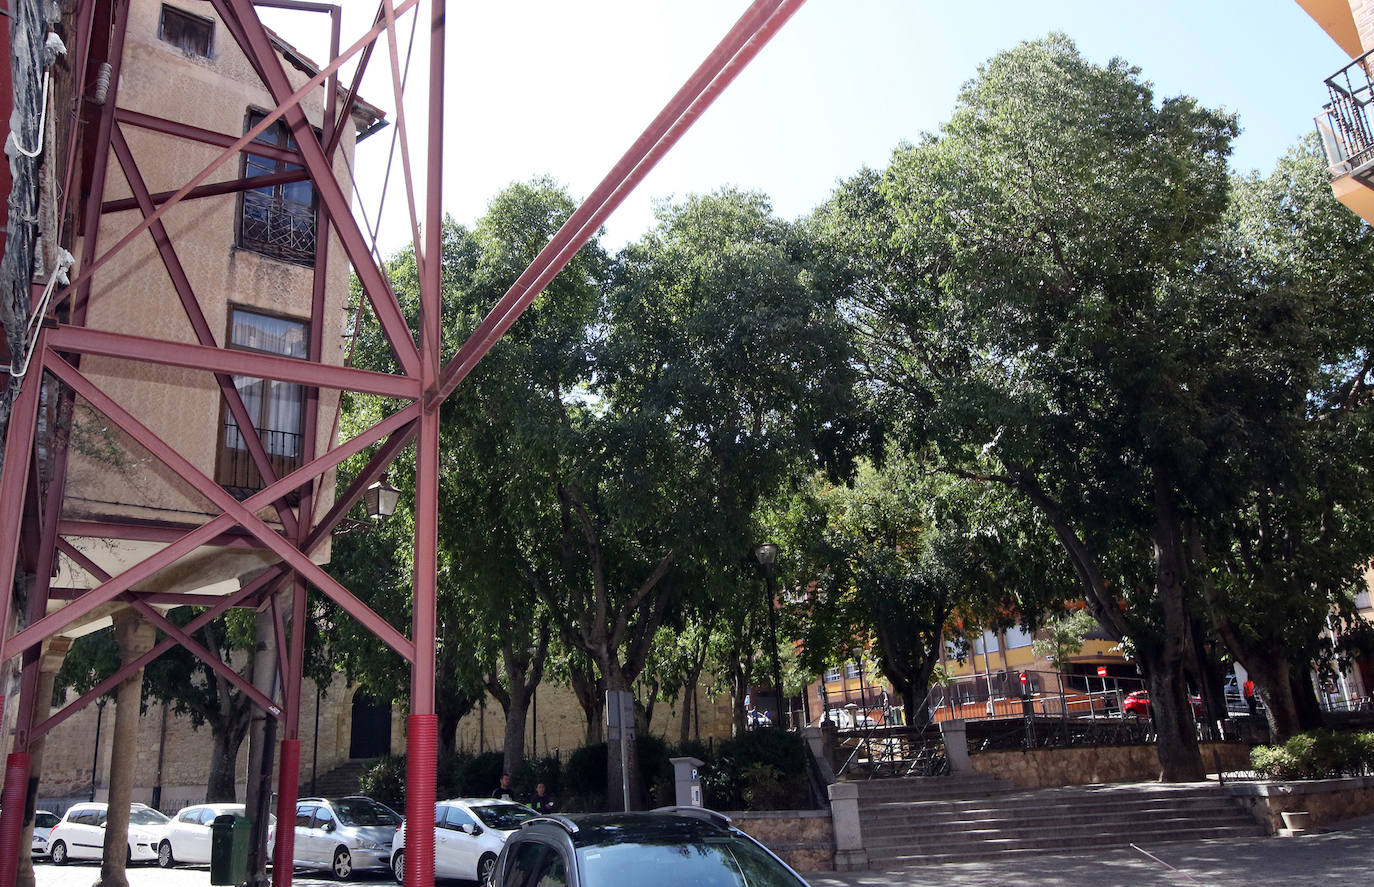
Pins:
<point x="468" y="836"/>
<point x="344" y="835"/>
<point x="187" y="839"/>
<point x="43" y="822"/>
<point x="81" y="833"/>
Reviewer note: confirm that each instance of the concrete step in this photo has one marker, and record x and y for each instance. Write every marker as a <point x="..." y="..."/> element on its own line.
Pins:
<point x="1004" y="849"/>
<point x="1013" y="822"/>
<point x="1055" y="836"/>
<point x="899" y="832"/>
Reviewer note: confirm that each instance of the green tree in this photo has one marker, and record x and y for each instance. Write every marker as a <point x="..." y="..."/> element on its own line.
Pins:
<point x="1287" y="532"/>
<point x="1023" y="284"/>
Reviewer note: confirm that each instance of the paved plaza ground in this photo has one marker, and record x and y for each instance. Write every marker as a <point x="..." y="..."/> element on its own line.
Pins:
<point x="1344" y="855"/>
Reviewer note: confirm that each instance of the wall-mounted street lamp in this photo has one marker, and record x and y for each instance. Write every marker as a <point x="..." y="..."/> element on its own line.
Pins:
<point x="380" y="499"/>
<point x="767" y="556"/>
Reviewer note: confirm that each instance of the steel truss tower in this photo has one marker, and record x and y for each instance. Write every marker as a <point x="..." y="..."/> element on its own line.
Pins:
<point x="31" y="527"/>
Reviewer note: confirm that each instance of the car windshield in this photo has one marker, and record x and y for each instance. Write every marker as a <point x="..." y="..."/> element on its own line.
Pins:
<point x="505" y="817"/>
<point x="146" y="816"/>
<point x="707" y="861"/>
<point x="45" y="820"/>
<point x="364" y="811"/>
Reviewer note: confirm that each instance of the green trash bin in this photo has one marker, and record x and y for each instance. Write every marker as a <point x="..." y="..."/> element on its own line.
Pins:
<point x="229" y="850"/>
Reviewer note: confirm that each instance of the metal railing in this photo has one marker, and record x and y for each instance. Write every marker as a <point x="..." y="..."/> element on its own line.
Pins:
<point x="235" y="469"/>
<point x="873" y="751"/>
<point x="277" y="227"/>
<point x="1344" y="125"/>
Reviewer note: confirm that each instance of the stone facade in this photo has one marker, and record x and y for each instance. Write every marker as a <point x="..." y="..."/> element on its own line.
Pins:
<point x="557" y="726"/>
<point x="1091" y="765"/>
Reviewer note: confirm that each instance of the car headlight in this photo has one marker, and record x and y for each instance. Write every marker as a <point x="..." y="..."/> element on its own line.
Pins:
<point x="365" y="844"/>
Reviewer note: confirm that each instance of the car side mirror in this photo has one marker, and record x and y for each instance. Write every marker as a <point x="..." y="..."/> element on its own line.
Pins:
<point x="329" y="826"/>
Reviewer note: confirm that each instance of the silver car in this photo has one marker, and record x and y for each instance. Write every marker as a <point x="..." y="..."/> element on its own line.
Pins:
<point x="344" y="835"/>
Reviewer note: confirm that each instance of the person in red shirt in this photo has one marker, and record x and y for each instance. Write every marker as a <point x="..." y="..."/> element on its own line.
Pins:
<point x="1249" y="692"/>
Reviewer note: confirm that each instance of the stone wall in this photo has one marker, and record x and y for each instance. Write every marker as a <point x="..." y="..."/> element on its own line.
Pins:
<point x="557" y="726"/>
<point x="804" y="839"/>
<point x="1090" y="765"/>
<point x="1327" y="800"/>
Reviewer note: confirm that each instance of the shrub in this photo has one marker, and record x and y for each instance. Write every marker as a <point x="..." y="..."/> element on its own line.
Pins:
<point x="733" y="782"/>
<point x="1318" y="754"/>
<point x="385" y="780"/>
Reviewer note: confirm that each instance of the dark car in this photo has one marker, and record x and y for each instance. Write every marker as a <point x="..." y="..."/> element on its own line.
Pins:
<point x="671" y="847"/>
<point x="1138" y="704"/>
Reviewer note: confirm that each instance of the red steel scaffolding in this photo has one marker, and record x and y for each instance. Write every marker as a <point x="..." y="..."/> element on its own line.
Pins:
<point x="31" y="527"/>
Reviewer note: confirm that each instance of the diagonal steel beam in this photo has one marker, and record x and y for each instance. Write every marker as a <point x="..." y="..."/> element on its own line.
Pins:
<point x="273" y="574"/>
<point x="150" y="532"/>
<point x="204" y="136"/>
<point x="80" y="284"/>
<point x="173" y="631"/>
<point x="218" y="189"/>
<point x="247" y="430"/>
<point x="14" y="475"/>
<point x="225" y="361"/>
<point x="753" y="30"/>
<point x="243" y="23"/>
<point x="56" y="622"/>
<point x="167" y="627"/>
<point x="233" y="509"/>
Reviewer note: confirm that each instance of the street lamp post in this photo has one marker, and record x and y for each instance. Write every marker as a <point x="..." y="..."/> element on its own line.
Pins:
<point x="767" y="556"/>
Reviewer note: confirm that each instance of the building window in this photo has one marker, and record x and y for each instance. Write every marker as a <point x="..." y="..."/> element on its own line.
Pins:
<point x="986" y="643"/>
<point x="832" y="675"/>
<point x="191" y="34"/>
<point x="1362" y="600"/>
<point x="277" y="220"/>
<point x="276" y="408"/>
<point x="851" y="670"/>
<point x="1018" y="637"/>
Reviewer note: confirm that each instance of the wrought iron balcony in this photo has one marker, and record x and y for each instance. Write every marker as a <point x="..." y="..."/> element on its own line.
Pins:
<point x="1344" y="124"/>
<point x="277" y="227"/>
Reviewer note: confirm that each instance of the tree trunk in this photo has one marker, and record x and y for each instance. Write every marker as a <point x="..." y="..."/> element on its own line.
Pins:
<point x="1309" y="713"/>
<point x="590" y="693"/>
<point x="517" y="715"/>
<point x="226" y="741"/>
<point x="1179" y="757"/>
<point x="616" y="771"/>
<point x="689" y="690"/>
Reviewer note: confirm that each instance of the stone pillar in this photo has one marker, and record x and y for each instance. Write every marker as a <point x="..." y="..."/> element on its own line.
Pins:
<point x="820" y="745"/>
<point x="850" y="855"/>
<point x="54" y="651"/>
<point x="955" y="735"/>
<point x="135" y="637"/>
<point x="261" y="742"/>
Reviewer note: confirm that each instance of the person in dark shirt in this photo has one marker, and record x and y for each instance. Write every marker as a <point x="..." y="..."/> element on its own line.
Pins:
<point x="503" y="791"/>
<point x="541" y="801"/>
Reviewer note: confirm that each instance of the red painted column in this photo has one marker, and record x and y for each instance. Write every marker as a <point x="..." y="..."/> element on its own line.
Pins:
<point x="422" y="727"/>
<point x="287" y="780"/>
<point x="12" y="816"/>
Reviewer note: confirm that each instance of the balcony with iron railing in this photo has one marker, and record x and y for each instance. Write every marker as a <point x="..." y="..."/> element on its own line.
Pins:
<point x="236" y="471"/>
<point x="1344" y="124"/>
<point x="277" y="227"/>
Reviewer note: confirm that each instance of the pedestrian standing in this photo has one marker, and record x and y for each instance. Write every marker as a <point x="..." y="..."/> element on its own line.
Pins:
<point x="1249" y="692"/>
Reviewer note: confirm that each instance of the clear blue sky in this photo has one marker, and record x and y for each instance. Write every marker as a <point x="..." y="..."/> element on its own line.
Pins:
<point x="562" y="88"/>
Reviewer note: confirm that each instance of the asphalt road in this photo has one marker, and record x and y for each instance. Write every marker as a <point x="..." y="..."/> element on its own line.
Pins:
<point x="1344" y="856"/>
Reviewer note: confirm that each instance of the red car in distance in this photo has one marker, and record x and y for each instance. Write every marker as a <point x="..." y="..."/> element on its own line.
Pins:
<point x="1138" y="704"/>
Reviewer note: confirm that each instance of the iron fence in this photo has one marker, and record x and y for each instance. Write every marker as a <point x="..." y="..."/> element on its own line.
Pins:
<point x="875" y="751"/>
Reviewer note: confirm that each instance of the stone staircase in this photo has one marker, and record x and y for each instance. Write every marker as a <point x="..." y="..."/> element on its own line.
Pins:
<point x="946" y="819"/>
<point x="339" y="782"/>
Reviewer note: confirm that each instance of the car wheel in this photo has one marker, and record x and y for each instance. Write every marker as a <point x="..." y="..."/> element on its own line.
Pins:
<point x="398" y="866"/>
<point x="58" y="853"/>
<point x="164" y="855"/>
<point x="343" y="864"/>
<point x="486" y="867"/>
